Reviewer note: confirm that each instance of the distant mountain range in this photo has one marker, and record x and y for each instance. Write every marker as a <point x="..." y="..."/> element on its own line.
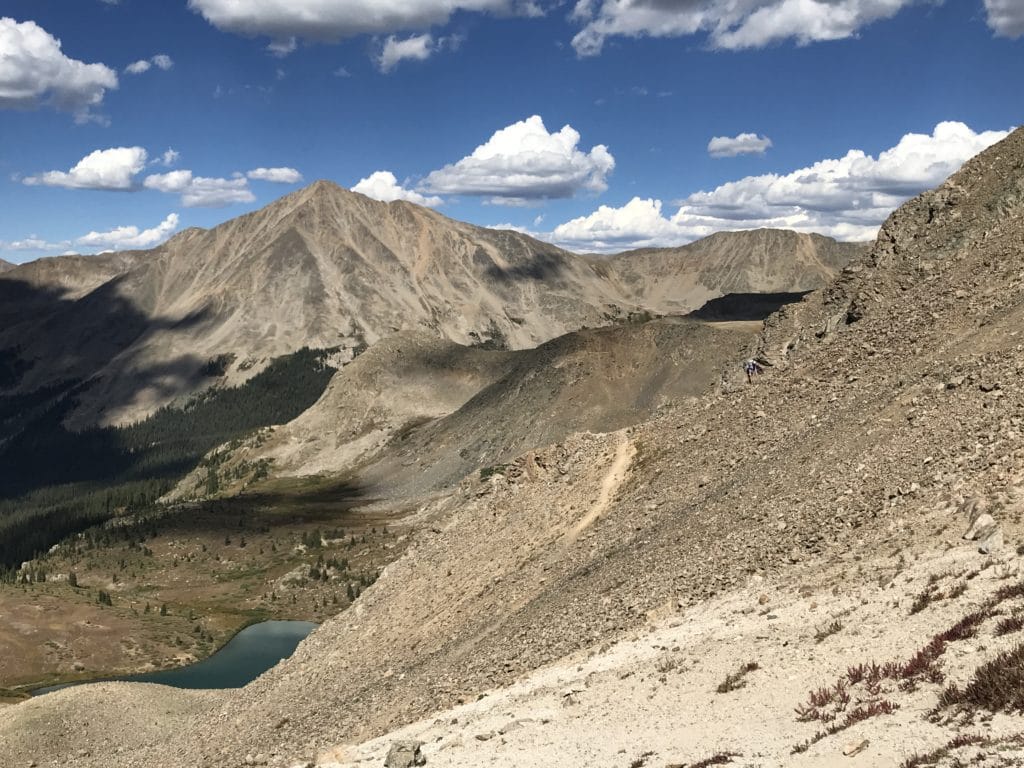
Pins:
<point x="328" y="268"/>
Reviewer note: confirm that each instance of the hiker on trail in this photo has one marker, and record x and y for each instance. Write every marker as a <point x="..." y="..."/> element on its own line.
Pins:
<point x="752" y="368"/>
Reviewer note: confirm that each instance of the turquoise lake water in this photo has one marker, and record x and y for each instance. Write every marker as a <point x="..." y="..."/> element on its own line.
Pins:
<point x="246" y="656"/>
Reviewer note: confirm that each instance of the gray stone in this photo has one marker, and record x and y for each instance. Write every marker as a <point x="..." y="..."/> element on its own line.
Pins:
<point x="992" y="543"/>
<point x="981" y="528"/>
<point x="405" y="754"/>
<point x="973" y="507"/>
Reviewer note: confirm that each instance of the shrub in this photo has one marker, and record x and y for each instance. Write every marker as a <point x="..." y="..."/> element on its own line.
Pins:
<point x="828" y="630"/>
<point x="1010" y="624"/>
<point x="735" y="680"/>
<point x="997" y="686"/>
<point x="722" y="758"/>
<point x="922" y="600"/>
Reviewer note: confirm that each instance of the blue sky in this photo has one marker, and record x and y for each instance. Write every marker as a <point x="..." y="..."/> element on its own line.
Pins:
<point x="599" y="124"/>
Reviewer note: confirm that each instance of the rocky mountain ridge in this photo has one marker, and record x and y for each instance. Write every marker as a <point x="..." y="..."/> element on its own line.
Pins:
<point x="325" y="267"/>
<point x="414" y="414"/>
<point x="651" y="275"/>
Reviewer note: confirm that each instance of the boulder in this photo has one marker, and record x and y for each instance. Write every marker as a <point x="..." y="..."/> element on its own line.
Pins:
<point x="982" y="527"/>
<point x="992" y="543"/>
<point x="973" y="507"/>
<point x="405" y="754"/>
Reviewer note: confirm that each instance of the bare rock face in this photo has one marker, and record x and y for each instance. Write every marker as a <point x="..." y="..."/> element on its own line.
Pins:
<point x="405" y="754"/>
<point x="5" y="265"/>
<point x="992" y="542"/>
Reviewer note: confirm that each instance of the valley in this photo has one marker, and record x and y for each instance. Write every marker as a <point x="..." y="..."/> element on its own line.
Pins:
<point x="244" y="540"/>
<point x="178" y="583"/>
<point x="281" y="487"/>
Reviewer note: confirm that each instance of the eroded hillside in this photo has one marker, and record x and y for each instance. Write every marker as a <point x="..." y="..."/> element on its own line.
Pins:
<point x="414" y="415"/>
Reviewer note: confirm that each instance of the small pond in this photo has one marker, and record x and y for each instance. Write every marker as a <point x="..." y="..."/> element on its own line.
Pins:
<point x="246" y="656"/>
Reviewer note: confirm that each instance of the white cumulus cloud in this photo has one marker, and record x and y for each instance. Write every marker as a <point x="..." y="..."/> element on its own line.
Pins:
<point x="216" y="193"/>
<point x="199" y="191"/>
<point x="743" y="144"/>
<point x="113" y="168"/>
<point x="513" y="227"/>
<point x="277" y="175"/>
<point x="415" y="48"/>
<point x="847" y="197"/>
<point x="131" y="236"/>
<point x="1006" y="17"/>
<point x="382" y="185"/>
<point x="524" y="162"/>
<point x="118" y="168"/>
<point x="734" y="24"/>
<point x="637" y="224"/>
<point x="327" y="20"/>
<point x="35" y="71"/>
<point x="160" y="61"/>
<point x="283" y="47"/>
<point x="34" y="243"/>
<point x="172" y="181"/>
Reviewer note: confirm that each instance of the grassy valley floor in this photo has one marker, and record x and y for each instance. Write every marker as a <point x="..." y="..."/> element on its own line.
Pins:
<point x="169" y="588"/>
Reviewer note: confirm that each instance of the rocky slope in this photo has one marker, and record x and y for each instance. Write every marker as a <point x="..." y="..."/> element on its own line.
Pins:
<point x="6" y="265"/>
<point x="414" y="414"/>
<point x="661" y="696"/>
<point x="325" y="267"/>
<point x="729" y="262"/>
<point x="598" y="380"/>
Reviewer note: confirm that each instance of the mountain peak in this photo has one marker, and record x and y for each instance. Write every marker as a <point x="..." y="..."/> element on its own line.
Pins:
<point x="324" y="187"/>
<point x="327" y="195"/>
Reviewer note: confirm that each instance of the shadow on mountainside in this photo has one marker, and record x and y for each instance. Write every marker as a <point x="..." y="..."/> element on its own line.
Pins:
<point x="281" y="503"/>
<point x="55" y="480"/>
<point x="304" y="493"/>
<point x="598" y="380"/>
<point x="539" y="267"/>
<point x="745" y="306"/>
<point x="58" y="481"/>
<point x="52" y="343"/>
